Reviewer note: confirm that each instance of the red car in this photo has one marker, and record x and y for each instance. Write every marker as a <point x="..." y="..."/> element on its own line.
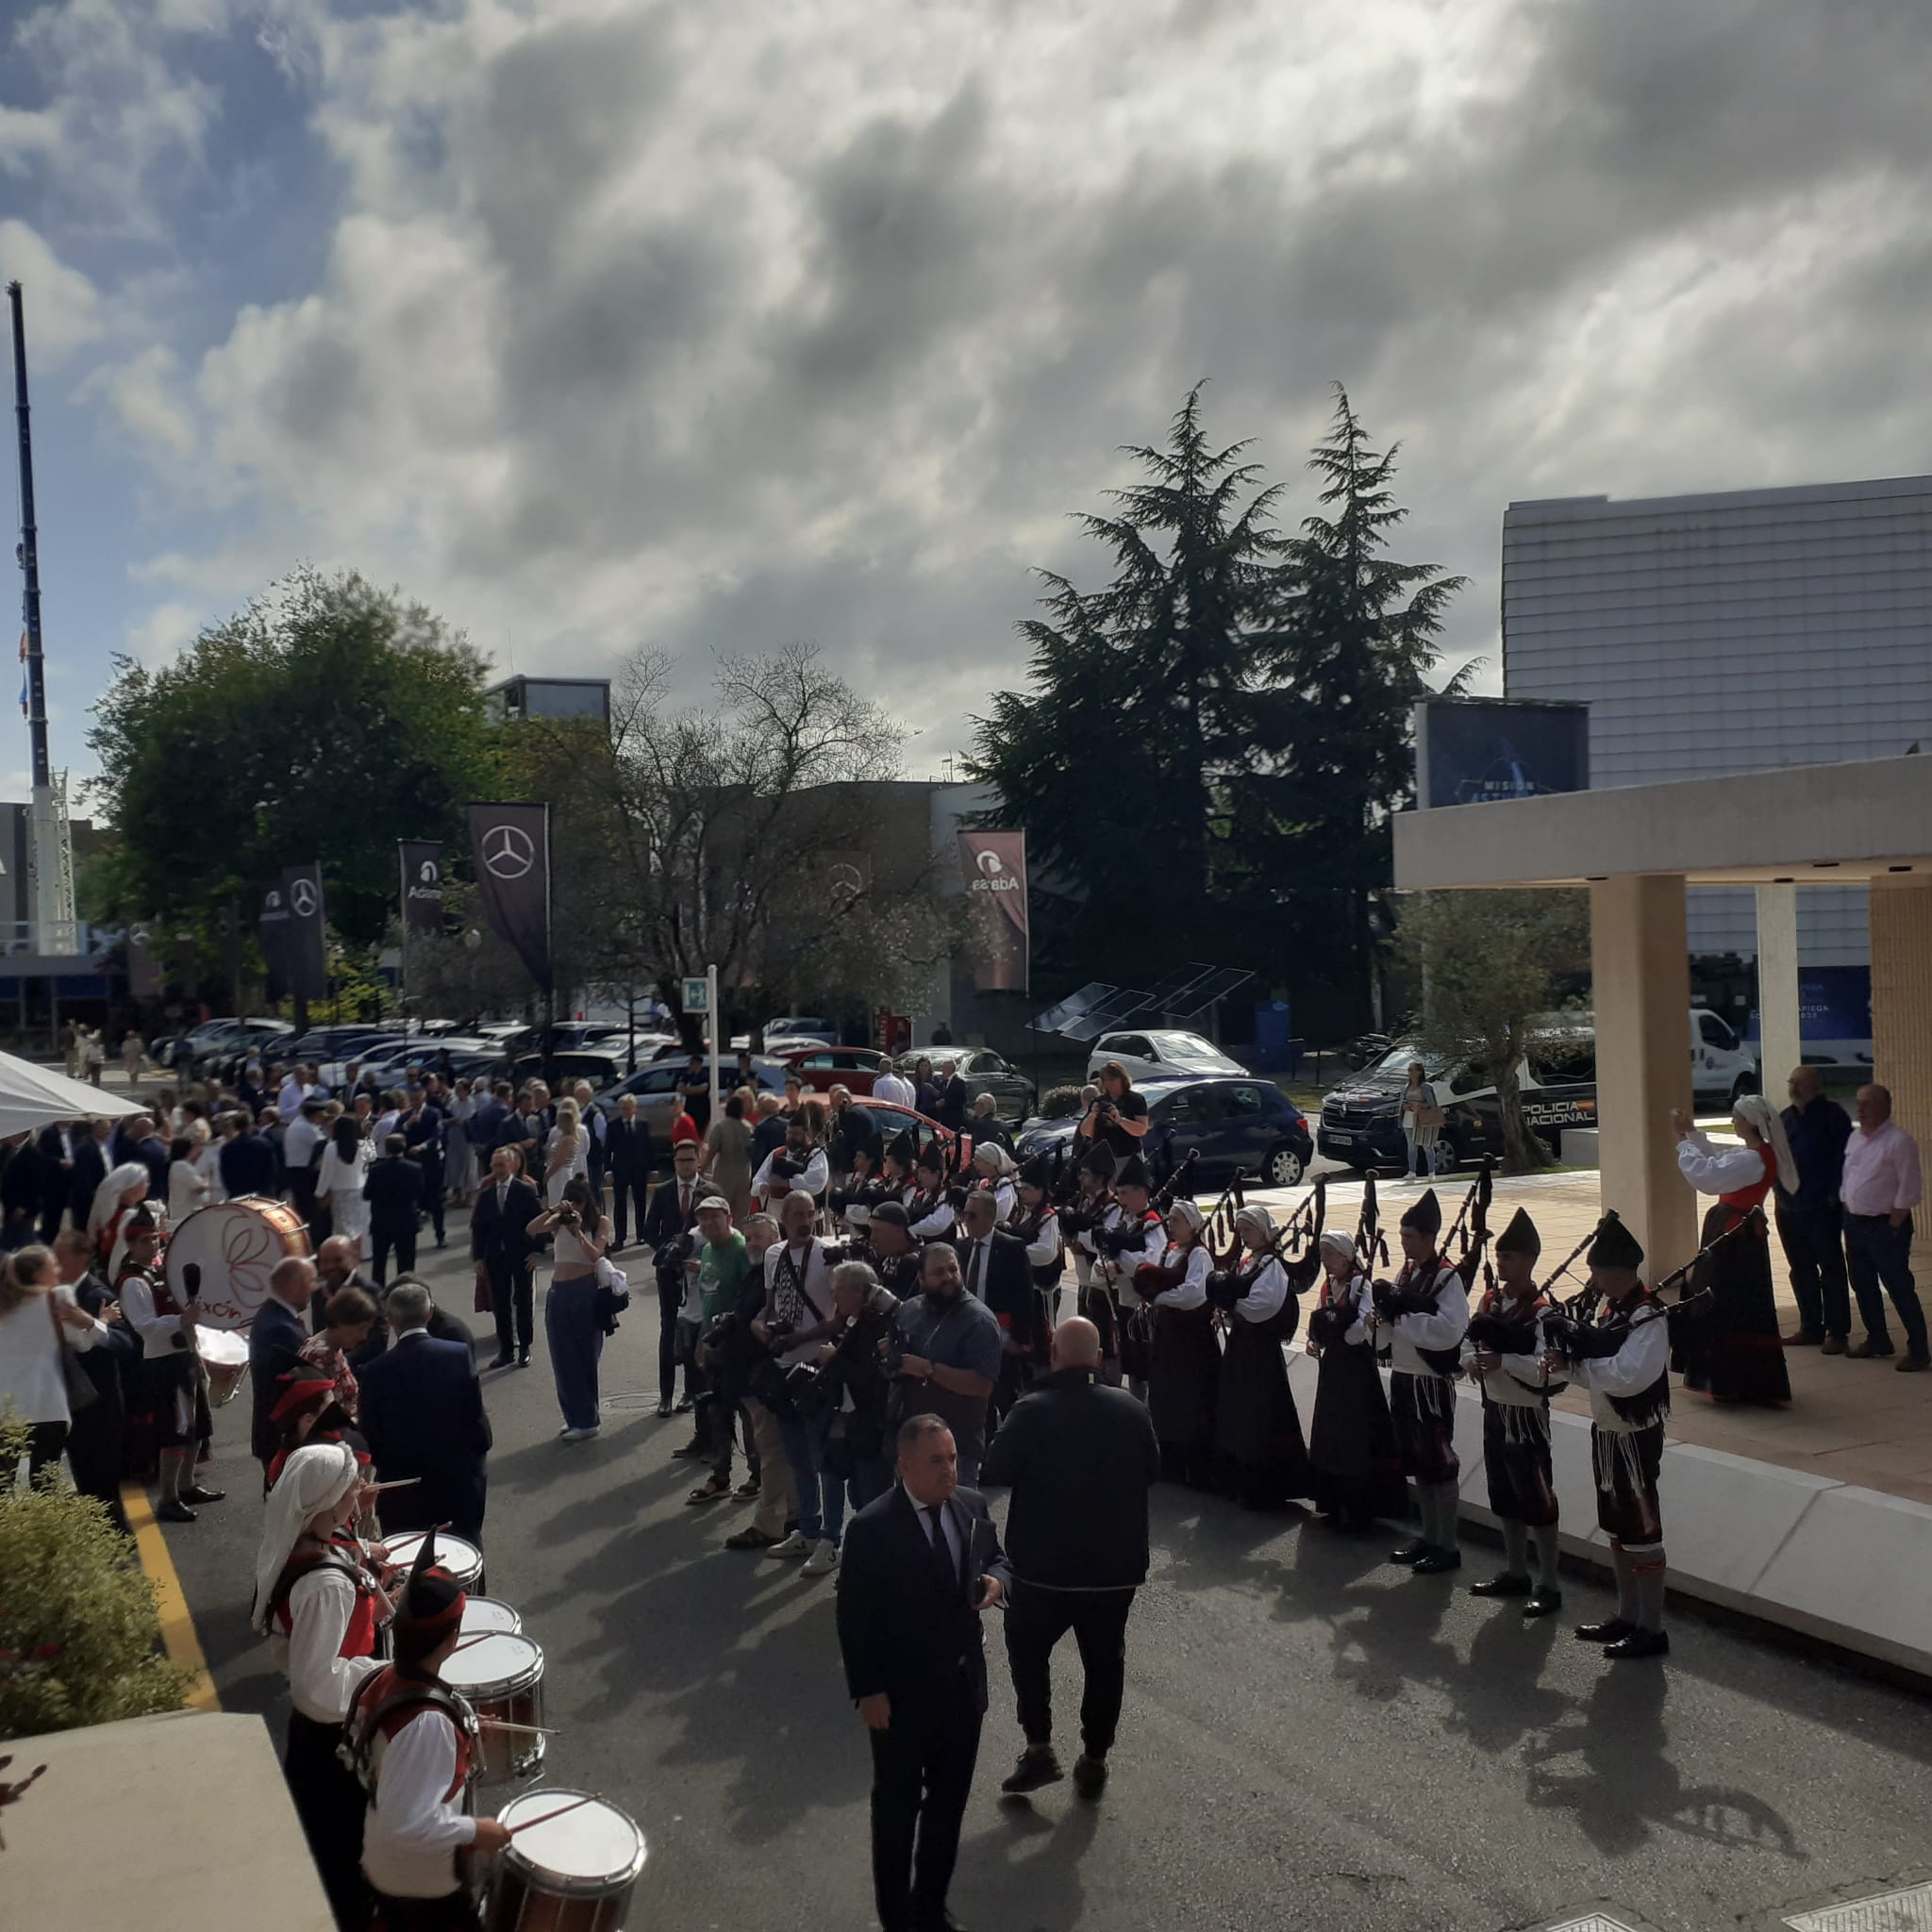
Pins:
<point x="822" y="1068"/>
<point x="894" y="1120"/>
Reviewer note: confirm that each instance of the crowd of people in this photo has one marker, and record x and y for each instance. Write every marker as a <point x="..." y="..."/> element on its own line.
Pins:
<point x="863" y="1329"/>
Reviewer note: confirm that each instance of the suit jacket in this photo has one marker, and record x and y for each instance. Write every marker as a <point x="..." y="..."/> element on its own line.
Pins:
<point x="1006" y="1285"/>
<point x="422" y="1412"/>
<point x="90" y="1170"/>
<point x="663" y="1213"/>
<point x="393" y="1189"/>
<point x="274" y="1341"/>
<point x="501" y="1239"/>
<point x="114" y="1355"/>
<point x="628" y="1149"/>
<point x="901" y="1629"/>
<point x="442" y="1327"/>
<point x="56" y="1176"/>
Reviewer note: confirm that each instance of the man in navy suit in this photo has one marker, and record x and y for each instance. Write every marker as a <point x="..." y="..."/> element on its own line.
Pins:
<point x="502" y="1249"/>
<point x="274" y="1343"/>
<point x="89" y="1169"/>
<point x="920" y="1565"/>
<point x="422" y="1411"/>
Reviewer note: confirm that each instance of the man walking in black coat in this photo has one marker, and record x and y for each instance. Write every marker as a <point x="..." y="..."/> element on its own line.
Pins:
<point x="993" y="1265"/>
<point x="1081" y="1458"/>
<point x="1811" y="1222"/>
<point x="920" y="1565"/>
<point x="275" y="1337"/>
<point x="627" y="1155"/>
<point x="393" y="1189"/>
<point x="673" y="1215"/>
<point x="422" y="1411"/>
<point x="89" y="1169"/>
<point x="250" y="1165"/>
<point x="503" y="1250"/>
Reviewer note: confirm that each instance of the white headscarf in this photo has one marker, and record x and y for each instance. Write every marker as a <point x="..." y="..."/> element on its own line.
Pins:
<point x="316" y="1477"/>
<point x="1757" y="1113"/>
<point x="1343" y="1244"/>
<point x="997" y="1157"/>
<point x="108" y="1195"/>
<point x="1189" y="1211"/>
<point x="1261" y="1218"/>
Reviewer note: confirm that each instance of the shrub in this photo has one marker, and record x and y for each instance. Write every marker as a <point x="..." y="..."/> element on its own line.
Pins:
<point x="1061" y="1104"/>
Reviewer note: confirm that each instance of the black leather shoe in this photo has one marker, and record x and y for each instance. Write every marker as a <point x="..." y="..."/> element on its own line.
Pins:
<point x="684" y="1405"/>
<point x="1640" y="1643"/>
<point x="1504" y="1585"/>
<point x="172" y="1512"/>
<point x="502" y="1361"/>
<point x="1035" y="1769"/>
<point x="1438" y="1563"/>
<point x="1611" y="1630"/>
<point x="199" y="1494"/>
<point x="691" y="1451"/>
<point x="523" y="1358"/>
<point x="1409" y="1553"/>
<point x="1090" y="1775"/>
<point x="1545" y="1603"/>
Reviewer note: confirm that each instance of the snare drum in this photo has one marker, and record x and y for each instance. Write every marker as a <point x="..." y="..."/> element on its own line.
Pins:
<point x="236" y="1244"/>
<point x="225" y="1356"/>
<point x="501" y="1675"/>
<point x="574" y="1876"/>
<point x="481" y="1613"/>
<point x="463" y="1561"/>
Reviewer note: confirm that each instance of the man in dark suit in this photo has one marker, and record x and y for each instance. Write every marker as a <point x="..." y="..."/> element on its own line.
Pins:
<point x="954" y="1098"/>
<point x="501" y="1246"/>
<point x="920" y="1564"/>
<point x="249" y="1165"/>
<point x="994" y="1267"/>
<point x="421" y="1127"/>
<point x="672" y="1212"/>
<point x="56" y="1144"/>
<point x="628" y="1154"/>
<point x="274" y="1344"/>
<point x="393" y="1189"/>
<point x="422" y="1411"/>
<point x="89" y="1169"/>
<point x="94" y="1442"/>
<point x="443" y="1326"/>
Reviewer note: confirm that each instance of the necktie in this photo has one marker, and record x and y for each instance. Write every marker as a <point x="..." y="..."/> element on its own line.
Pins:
<point x="502" y="1196"/>
<point x="973" y="1269"/>
<point x="941" y="1551"/>
<point x="685" y="1203"/>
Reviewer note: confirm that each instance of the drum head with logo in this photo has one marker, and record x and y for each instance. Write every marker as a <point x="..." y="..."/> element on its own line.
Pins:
<point x="493" y="1665"/>
<point x="594" y="1846"/>
<point x="236" y="1244"/>
<point x="482" y="1613"/>
<point x="461" y="1558"/>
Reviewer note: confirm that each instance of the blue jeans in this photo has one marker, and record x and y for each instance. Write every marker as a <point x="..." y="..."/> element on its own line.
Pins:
<point x="801" y="1442"/>
<point x="576" y="1339"/>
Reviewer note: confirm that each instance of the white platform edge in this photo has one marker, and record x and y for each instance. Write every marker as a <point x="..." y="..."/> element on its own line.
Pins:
<point x="1826" y="1559"/>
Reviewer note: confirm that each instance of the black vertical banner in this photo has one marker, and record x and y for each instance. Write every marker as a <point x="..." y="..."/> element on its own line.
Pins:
<point x="271" y="929"/>
<point x="144" y="967"/>
<point x="307" y="957"/>
<point x="510" y="844"/>
<point x="422" y="864"/>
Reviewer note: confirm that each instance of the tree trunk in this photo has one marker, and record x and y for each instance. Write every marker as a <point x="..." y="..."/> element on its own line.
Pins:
<point x="1524" y="1149"/>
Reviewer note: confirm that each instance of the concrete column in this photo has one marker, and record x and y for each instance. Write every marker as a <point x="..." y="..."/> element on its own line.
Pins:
<point x="1901" y="999"/>
<point x="1640" y="972"/>
<point x="1779" y="1034"/>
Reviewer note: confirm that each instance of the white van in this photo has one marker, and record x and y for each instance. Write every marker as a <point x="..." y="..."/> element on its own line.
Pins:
<point x="1721" y="1066"/>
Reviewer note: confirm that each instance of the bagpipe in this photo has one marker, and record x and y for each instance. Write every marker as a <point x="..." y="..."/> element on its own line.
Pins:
<point x="1576" y="1328"/>
<point x="1469" y="1230"/>
<point x="1232" y="1277"/>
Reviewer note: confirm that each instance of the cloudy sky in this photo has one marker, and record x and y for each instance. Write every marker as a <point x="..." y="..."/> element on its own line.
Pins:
<point x="714" y="324"/>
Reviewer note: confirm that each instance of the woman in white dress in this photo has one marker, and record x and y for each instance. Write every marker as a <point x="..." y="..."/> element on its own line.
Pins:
<point x="566" y="1152"/>
<point x="460" y="1154"/>
<point x="344" y="1167"/>
<point x="37" y="1317"/>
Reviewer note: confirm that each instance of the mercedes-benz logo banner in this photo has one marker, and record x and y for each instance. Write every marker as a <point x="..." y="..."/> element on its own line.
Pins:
<point x="511" y="848"/>
<point x="422" y="863"/>
<point x="291" y="928"/>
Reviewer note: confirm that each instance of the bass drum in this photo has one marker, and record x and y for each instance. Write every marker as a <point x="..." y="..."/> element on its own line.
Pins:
<point x="236" y="1244"/>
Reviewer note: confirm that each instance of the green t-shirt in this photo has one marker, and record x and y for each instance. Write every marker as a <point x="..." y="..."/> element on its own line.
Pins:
<point x="721" y="1270"/>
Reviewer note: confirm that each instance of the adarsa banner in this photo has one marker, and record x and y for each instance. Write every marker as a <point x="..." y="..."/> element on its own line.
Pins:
<point x="994" y="865"/>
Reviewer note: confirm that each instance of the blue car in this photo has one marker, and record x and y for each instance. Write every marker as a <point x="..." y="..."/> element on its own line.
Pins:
<point x="1226" y="1123"/>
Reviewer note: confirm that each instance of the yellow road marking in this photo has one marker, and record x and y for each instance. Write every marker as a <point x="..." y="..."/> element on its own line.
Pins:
<point x="178" y="1635"/>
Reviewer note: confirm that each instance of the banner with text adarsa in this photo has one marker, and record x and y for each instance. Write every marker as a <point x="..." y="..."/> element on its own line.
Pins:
<point x="995" y="868"/>
<point x="422" y="864"/>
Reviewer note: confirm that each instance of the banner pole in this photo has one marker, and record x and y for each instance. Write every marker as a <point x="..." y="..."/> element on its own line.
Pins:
<point x="711" y="1027"/>
<point x="402" y="948"/>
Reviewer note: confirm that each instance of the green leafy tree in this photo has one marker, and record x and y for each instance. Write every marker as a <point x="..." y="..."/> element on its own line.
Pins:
<point x="325" y="722"/>
<point x="1490" y="964"/>
<point x="80" y="1632"/>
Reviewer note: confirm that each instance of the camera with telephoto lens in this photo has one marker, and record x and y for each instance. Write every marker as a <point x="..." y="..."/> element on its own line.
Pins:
<point x="892" y="1353"/>
<point x="671" y="1256"/>
<point x="778" y="1333"/>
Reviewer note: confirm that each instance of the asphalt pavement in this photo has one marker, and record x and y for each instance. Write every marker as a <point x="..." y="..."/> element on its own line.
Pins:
<point x="1311" y="1739"/>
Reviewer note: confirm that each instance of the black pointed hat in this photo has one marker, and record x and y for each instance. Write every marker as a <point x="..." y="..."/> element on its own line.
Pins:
<point x="1036" y="1172"/>
<point x="1099" y="1159"/>
<point x="1425" y="1214"/>
<point x="933" y="1155"/>
<point x="1133" y="1173"/>
<point x="1615" y="1246"/>
<point x="430" y="1606"/>
<point x="902" y="1148"/>
<point x="1520" y="1237"/>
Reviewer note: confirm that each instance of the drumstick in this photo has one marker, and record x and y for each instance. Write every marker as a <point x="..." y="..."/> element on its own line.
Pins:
<point x="400" y="1482"/>
<point x="476" y="1637"/>
<point x="589" y="1798"/>
<point x="503" y="1724"/>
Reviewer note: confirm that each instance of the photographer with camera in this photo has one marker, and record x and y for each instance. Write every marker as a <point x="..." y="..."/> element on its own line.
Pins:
<point x="1118" y="1119"/>
<point x="714" y="1289"/>
<point x="574" y="1324"/>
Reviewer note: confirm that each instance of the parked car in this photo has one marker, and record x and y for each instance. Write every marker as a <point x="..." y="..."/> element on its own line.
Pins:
<point x="984" y="1071"/>
<point x="655" y="1086"/>
<point x="1226" y="1123"/>
<point x="468" y="1059"/>
<point x="1161" y="1055"/>
<point x="821" y="1068"/>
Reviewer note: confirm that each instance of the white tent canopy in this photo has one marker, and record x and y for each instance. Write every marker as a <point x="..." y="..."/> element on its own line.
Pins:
<point x="32" y="1096"/>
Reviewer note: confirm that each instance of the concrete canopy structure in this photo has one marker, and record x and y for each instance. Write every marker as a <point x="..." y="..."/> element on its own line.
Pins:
<point x="1637" y="847"/>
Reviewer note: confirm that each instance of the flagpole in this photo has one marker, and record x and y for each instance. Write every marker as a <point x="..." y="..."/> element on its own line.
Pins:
<point x="402" y="944"/>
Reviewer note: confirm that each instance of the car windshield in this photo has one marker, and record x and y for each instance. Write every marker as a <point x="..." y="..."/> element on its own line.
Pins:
<point x="1398" y="1060"/>
<point x="1184" y="1046"/>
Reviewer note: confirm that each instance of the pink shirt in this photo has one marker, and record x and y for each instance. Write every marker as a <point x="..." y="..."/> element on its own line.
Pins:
<point x="1881" y="1171"/>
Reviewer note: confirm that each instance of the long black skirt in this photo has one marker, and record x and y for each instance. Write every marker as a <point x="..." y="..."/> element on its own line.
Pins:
<point x="1183" y="1373"/>
<point x="331" y="1804"/>
<point x="1351" y="1440"/>
<point x="1255" y="1425"/>
<point x="1735" y="1352"/>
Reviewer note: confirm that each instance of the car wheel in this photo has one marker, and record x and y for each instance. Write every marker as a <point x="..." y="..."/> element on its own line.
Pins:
<point x="1283" y="1168"/>
<point x="1745" y="1083"/>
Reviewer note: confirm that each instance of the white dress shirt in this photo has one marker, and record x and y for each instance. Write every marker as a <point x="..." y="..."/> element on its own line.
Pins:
<point x="321" y="1680"/>
<point x="415" y="1828"/>
<point x="1632" y="1370"/>
<point x="1881" y="1171"/>
<point x="1044" y="1250"/>
<point x="1714" y="1170"/>
<point x="812" y="1182"/>
<point x="1190" y="1292"/>
<point x="1443" y="1327"/>
<point x="31" y="1380"/>
<point x="891" y="1087"/>
<point x="1269" y="1294"/>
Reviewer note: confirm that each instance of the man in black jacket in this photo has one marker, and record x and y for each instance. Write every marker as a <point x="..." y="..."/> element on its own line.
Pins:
<point x="671" y="1217"/>
<point x="1081" y="1458"/>
<point x="421" y="1127"/>
<point x="249" y="1164"/>
<point x="89" y="1169"/>
<point x="96" y="1440"/>
<point x="503" y="1250"/>
<point x="627" y="1154"/>
<point x="993" y="1264"/>
<point x="56" y="1144"/>
<point x="919" y="1566"/>
<point x="1811" y="1222"/>
<point x="393" y="1189"/>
